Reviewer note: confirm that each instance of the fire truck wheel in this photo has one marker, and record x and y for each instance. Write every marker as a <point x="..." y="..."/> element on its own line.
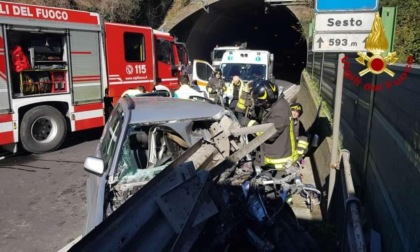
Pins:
<point x="42" y="129"/>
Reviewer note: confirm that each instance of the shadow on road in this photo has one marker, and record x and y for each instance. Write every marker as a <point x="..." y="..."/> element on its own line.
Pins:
<point x="75" y="138"/>
<point x="22" y="157"/>
<point x="23" y="169"/>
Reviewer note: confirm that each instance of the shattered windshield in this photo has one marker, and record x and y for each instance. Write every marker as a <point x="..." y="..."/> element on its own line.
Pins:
<point x="147" y="151"/>
<point x="126" y="163"/>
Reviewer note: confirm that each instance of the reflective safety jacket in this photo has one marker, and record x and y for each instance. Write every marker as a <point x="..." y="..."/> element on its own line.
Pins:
<point x="301" y="137"/>
<point x="279" y="149"/>
<point x="243" y="97"/>
<point x="240" y="96"/>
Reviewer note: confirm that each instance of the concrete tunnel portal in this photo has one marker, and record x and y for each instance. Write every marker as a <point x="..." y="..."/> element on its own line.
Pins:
<point x="230" y="21"/>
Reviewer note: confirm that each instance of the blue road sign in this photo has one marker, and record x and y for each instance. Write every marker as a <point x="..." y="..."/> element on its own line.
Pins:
<point x="345" y="5"/>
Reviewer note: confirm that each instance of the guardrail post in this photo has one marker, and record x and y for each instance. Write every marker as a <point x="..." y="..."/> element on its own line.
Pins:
<point x="352" y="229"/>
<point x="313" y="63"/>
<point x="321" y="73"/>
<point x="368" y="130"/>
<point x="307" y="52"/>
<point x="336" y="126"/>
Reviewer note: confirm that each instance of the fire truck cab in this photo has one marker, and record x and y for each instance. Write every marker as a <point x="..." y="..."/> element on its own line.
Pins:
<point x="138" y="55"/>
<point x="57" y="66"/>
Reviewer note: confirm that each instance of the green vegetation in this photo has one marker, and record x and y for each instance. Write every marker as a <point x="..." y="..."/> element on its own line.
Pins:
<point x="325" y="109"/>
<point x="407" y="30"/>
<point x="153" y="12"/>
<point x="142" y="12"/>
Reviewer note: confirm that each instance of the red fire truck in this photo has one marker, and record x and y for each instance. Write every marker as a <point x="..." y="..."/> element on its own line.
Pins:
<point x="56" y="64"/>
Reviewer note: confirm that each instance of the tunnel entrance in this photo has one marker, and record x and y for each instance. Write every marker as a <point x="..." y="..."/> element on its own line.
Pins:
<point x="228" y="22"/>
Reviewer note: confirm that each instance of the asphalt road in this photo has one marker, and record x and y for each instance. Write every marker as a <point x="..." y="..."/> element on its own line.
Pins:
<point x="42" y="197"/>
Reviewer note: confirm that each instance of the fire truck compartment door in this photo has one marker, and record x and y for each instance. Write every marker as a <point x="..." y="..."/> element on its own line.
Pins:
<point x="85" y="66"/>
<point x="4" y="87"/>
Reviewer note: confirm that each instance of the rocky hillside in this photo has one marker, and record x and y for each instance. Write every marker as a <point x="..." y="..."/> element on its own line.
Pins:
<point x="154" y="12"/>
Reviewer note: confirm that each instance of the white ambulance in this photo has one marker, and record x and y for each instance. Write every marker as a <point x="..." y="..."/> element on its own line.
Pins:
<point x="247" y="64"/>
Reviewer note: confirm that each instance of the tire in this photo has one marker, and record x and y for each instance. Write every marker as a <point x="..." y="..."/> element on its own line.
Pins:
<point x="42" y="129"/>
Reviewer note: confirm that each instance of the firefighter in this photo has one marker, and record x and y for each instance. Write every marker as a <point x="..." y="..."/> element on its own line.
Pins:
<point x="299" y="130"/>
<point x="216" y="86"/>
<point x="279" y="151"/>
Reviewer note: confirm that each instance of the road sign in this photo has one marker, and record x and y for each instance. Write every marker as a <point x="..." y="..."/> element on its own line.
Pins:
<point x="343" y="22"/>
<point x="346" y="5"/>
<point x="389" y="18"/>
<point x="339" y="42"/>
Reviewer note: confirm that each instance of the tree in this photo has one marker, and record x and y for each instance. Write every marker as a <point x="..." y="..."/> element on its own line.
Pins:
<point x="121" y="11"/>
<point x="407" y="30"/>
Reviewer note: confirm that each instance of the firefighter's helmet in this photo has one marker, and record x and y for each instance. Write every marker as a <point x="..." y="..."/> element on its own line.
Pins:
<point x="217" y="71"/>
<point x="297" y="107"/>
<point x="264" y="93"/>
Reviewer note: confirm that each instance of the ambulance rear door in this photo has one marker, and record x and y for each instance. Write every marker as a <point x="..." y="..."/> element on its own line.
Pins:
<point x="202" y="72"/>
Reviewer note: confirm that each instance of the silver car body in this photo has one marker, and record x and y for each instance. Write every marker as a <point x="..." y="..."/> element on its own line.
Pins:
<point x="171" y="126"/>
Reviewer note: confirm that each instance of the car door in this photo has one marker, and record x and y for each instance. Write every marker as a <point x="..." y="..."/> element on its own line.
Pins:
<point x="202" y="72"/>
<point x="108" y="149"/>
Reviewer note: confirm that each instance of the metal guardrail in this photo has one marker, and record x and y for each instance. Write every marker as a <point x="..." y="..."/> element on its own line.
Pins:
<point x="382" y="130"/>
<point x="352" y="233"/>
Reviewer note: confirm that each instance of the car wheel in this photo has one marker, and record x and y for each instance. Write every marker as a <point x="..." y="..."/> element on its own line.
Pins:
<point x="42" y="129"/>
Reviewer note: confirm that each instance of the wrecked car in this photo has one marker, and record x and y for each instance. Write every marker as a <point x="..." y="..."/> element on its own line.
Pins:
<point x="200" y="190"/>
<point x="142" y="136"/>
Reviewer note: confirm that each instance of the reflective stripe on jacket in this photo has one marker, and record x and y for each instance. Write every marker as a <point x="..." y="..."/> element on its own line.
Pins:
<point x="281" y="147"/>
<point x="301" y="138"/>
<point x="240" y="106"/>
<point x="279" y="163"/>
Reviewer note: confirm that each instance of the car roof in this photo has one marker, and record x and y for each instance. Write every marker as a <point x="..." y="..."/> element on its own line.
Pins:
<point x="164" y="109"/>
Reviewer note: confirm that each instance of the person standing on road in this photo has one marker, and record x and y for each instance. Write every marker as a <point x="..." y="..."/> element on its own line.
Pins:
<point x="107" y="104"/>
<point x="279" y="150"/>
<point x="185" y="90"/>
<point x="189" y="70"/>
<point x="236" y="93"/>
<point x="216" y="85"/>
<point x="299" y="129"/>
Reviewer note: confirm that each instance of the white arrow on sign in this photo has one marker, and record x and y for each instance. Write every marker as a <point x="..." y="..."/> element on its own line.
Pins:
<point x="339" y="42"/>
<point x="340" y="22"/>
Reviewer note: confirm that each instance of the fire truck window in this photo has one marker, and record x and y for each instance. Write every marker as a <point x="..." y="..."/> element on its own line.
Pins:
<point x="164" y="51"/>
<point x="182" y="52"/>
<point x="134" y="47"/>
